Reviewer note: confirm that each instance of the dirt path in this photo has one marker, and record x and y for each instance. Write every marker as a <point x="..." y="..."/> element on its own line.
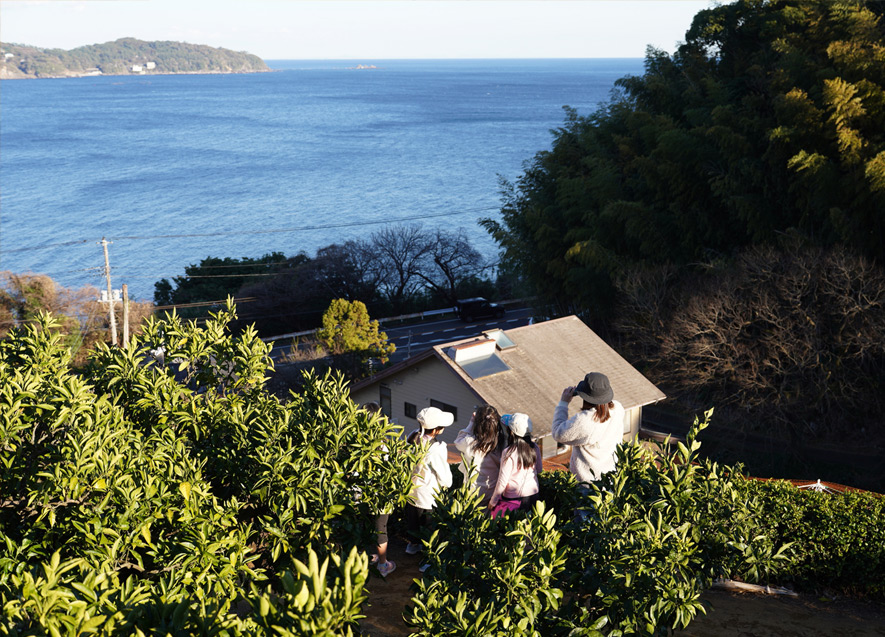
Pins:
<point x="736" y="614"/>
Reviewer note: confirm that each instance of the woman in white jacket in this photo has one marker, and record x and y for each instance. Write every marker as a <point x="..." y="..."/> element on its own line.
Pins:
<point x="594" y="432"/>
<point x="431" y="473"/>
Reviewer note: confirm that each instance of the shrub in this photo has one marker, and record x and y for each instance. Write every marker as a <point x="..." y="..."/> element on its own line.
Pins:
<point x="630" y="554"/>
<point x="652" y="535"/>
<point x="487" y="576"/>
<point x="180" y="496"/>
<point x="839" y="538"/>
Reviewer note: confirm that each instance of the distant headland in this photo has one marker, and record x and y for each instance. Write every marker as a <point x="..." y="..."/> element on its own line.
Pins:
<point x="126" y="56"/>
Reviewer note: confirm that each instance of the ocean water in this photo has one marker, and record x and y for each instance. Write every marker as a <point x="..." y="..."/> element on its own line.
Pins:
<point x="172" y="169"/>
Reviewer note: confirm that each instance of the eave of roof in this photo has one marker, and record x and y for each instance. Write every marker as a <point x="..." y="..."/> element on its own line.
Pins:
<point x="393" y="369"/>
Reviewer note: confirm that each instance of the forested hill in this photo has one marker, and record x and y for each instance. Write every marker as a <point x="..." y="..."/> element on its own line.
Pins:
<point x="126" y="56"/>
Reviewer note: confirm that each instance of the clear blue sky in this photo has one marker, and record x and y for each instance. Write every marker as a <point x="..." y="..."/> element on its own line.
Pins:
<point x="366" y="29"/>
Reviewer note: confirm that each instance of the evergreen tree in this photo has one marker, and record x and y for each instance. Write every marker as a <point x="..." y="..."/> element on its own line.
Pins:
<point x="770" y="119"/>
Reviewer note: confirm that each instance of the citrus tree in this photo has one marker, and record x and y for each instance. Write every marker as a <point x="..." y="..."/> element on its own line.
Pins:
<point x="629" y="555"/>
<point x="166" y="490"/>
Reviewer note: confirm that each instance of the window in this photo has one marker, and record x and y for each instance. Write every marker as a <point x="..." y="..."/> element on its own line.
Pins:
<point x="449" y="408"/>
<point x="410" y="410"/>
<point x="385" y="400"/>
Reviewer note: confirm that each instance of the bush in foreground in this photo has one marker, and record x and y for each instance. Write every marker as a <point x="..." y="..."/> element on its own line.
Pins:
<point x="628" y="555"/>
<point x="166" y="490"/>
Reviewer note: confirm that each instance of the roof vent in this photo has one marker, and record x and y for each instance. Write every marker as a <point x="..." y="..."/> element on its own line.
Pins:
<point x="502" y="341"/>
<point x="471" y="350"/>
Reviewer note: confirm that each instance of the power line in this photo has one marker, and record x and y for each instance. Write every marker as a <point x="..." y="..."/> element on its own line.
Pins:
<point x="194" y="276"/>
<point x="50" y="245"/>
<point x="301" y="228"/>
<point x="245" y="299"/>
<point x="256" y="232"/>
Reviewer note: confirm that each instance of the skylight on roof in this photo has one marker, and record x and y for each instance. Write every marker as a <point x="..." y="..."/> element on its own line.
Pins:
<point x="482" y="367"/>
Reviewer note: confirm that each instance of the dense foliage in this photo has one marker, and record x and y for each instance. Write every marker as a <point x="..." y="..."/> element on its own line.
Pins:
<point x="213" y="279"/>
<point x="352" y="338"/>
<point x="838" y="538"/>
<point x="769" y="119"/>
<point x="629" y="555"/>
<point x="166" y="490"/>
<point x="118" y="57"/>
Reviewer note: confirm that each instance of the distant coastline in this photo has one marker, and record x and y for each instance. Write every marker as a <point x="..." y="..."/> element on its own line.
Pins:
<point x="126" y="56"/>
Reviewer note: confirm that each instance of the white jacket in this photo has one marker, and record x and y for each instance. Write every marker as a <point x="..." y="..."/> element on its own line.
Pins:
<point x="593" y="443"/>
<point x="430" y="474"/>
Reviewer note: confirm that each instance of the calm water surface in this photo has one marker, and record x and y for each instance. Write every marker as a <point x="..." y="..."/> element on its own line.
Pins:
<point x="318" y="150"/>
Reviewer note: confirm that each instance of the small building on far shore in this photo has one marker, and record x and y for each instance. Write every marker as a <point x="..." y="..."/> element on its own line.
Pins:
<point x="520" y="370"/>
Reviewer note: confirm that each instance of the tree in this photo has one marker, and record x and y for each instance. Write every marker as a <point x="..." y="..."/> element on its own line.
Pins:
<point x="232" y="512"/>
<point x="401" y="252"/>
<point x="769" y="119"/>
<point x="454" y="262"/>
<point x="80" y="317"/>
<point x="214" y="279"/>
<point x="351" y="336"/>
<point x="788" y="343"/>
<point x="296" y="298"/>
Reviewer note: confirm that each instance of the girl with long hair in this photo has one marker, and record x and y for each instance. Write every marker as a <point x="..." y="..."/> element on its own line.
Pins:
<point x="517" y="486"/>
<point x="481" y="444"/>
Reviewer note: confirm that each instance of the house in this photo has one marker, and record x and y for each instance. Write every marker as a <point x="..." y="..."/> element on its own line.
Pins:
<point x="521" y="370"/>
<point x="137" y="68"/>
<point x="150" y="66"/>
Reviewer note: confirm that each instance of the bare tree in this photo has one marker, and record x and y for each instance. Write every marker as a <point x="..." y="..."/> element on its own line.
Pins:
<point x="791" y="339"/>
<point x="402" y="252"/>
<point x="454" y="261"/>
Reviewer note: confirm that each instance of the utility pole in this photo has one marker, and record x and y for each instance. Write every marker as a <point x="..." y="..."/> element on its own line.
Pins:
<point x="107" y="274"/>
<point x="125" y="316"/>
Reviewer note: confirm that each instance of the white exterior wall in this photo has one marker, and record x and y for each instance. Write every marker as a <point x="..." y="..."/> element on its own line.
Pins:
<point x="631" y="423"/>
<point x="429" y="379"/>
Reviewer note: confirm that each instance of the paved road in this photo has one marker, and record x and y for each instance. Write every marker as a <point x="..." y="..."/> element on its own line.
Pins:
<point x="415" y="338"/>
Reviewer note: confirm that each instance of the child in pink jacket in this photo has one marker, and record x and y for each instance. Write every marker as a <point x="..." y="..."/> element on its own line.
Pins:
<point x="520" y="466"/>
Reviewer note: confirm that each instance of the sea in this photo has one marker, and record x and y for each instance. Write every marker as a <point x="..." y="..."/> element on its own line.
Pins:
<point x="172" y="169"/>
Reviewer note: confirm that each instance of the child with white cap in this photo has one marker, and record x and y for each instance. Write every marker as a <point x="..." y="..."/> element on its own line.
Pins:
<point x="431" y="473"/>
<point x="517" y="486"/>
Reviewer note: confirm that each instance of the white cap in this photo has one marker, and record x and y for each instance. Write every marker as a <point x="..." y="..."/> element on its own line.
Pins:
<point x="433" y="417"/>
<point x="520" y="424"/>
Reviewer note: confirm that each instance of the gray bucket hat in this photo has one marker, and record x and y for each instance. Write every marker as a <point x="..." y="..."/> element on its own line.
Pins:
<point x="595" y="389"/>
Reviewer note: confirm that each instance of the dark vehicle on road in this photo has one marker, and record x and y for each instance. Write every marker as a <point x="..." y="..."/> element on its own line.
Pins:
<point x="477" y="308"/>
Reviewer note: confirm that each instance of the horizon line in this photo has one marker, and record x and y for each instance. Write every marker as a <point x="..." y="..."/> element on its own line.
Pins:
<point x="439" y="59"/>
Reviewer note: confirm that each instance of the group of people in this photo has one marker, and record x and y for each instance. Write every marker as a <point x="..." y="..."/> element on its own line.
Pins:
<point x="502" y="459"/>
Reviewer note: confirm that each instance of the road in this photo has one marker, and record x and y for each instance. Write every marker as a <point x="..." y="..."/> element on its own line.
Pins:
<point x="414" y="338"/>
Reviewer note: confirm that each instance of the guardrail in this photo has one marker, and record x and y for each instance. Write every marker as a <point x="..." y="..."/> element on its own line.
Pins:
<point x="389" y="319"/>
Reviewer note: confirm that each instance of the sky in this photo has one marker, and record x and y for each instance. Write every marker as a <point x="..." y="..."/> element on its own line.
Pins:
<point x="363" y="29"/>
